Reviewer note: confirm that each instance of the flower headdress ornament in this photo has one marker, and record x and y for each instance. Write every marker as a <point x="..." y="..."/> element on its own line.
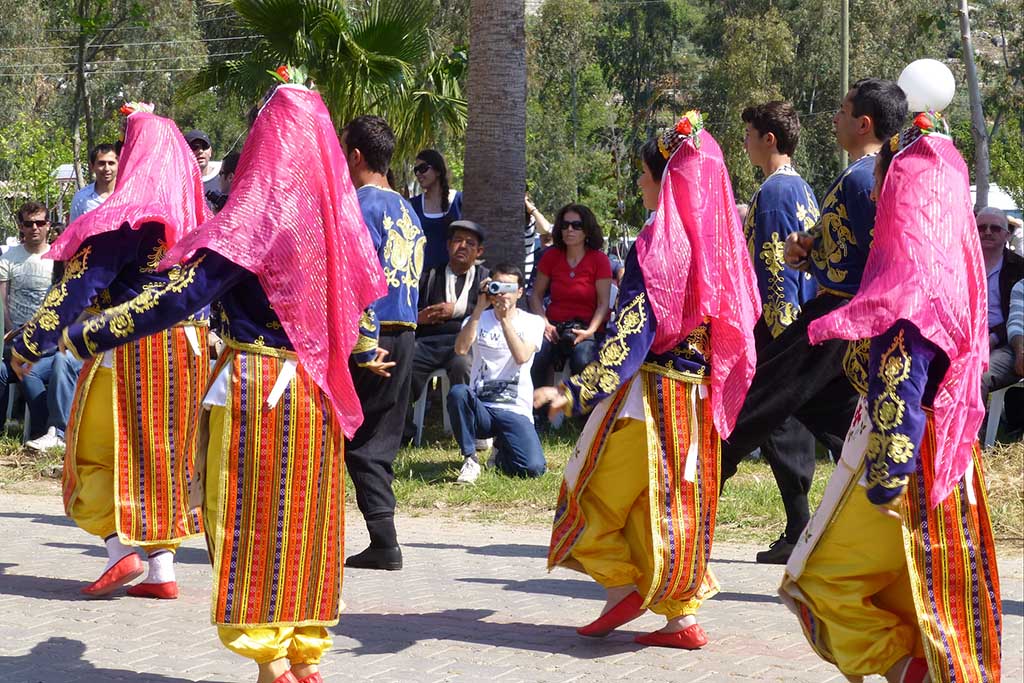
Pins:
<point x="129" y="108"/>
<point x="686" y="128"/>
<point x="286" y="73"/>
<point x="925" y="123"/>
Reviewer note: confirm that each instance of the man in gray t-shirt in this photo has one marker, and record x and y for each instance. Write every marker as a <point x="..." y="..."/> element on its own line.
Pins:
<point x="24" y="274"/>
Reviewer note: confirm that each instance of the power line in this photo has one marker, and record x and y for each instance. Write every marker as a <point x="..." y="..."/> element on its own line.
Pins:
<point x="102" y="73"/>
<point x="141" y="27"/>
<point x="118" y="61"/>
<point x="159" y="42"/>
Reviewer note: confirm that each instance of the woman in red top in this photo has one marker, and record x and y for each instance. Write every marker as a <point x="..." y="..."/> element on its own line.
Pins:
<point x="577" y="276"/>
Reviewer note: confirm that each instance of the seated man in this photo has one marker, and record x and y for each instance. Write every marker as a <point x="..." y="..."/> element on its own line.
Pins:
<point x="447" y="296"/>
<point x="1003" y="269"/>
<point x="498" y="403"/>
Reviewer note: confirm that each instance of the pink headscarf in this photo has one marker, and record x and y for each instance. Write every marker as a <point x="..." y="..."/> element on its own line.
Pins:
<point x="158" y="181"/>
<point x="293" y="219"/>
<point x="696" y="266"/>
<point x="926" y="267"/>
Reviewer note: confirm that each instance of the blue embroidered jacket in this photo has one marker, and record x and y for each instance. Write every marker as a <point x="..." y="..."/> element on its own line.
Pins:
<point x="627" y="347"/>
<point x="245" y="318"/>
<point x="842" y="238"/>
<point x="784" y="204"/>
<point x="107" y="269"/>
<point x="399" y="241"/>
<point x="903" y="373"/>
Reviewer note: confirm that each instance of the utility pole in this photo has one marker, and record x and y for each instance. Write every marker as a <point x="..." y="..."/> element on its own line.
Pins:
<point x="844" y="66"/>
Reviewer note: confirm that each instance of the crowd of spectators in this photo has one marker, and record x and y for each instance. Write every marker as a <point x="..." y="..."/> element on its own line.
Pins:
<point x="566" y="290"/>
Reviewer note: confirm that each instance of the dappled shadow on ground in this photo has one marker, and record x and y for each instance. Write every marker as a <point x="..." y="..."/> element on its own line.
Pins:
<point x="182" y="556"/>
<point x="569" y="588"/>
<point x="40" y="518"/>
<point x="497" y="550"/>
<point x="391" y="633"/>
<point x="57" y="660"/>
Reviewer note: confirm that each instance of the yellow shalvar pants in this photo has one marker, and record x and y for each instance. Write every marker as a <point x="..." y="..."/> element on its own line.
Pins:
<point x="615" y="547"/>
<point x="299" y="644"/>
<point x="93" y="510"/>
<point x="858" y="587"/>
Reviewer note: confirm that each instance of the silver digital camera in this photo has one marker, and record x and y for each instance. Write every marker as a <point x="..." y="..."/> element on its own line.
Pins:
<point x="495" y="287"/>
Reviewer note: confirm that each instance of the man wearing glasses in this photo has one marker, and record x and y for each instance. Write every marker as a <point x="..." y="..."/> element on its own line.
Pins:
<point x="25" y="278"/>
<point x="1003" y="269"/>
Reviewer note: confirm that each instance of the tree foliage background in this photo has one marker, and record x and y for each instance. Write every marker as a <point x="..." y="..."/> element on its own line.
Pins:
<point x="603" y="75"/>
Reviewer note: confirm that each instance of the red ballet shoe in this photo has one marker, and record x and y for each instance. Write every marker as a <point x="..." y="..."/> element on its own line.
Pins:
<point x="917" y="671"/>
<point x="628" y="609"/>
<point x="125" y="570"/>
<point x="690" y="638"/>
<point x="286" y="677"/>
<point x="168" y="590"/>
<point x="314" y="677"/>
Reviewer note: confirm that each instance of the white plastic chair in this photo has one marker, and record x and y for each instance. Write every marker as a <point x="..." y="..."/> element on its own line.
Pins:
<point x="995" y="411"/>
<point x="419" y="408"/>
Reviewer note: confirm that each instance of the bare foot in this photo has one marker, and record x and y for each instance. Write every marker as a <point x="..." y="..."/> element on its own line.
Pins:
<point x="616" y="594"/>
<point x="678" y="624"/>
<point x="271" y="671"/>
<point x="302" y="670"/>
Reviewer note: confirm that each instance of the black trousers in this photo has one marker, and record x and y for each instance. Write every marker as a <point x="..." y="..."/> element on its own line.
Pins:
<point x="794" y="380"/>
<point x="435" y="353"/>
<point x="370" y="454"/>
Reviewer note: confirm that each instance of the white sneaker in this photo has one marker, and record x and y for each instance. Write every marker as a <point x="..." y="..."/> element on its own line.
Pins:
<point x="484" y="445"/>
<point x="470" y="472"/>
<point x="46" y="441"/>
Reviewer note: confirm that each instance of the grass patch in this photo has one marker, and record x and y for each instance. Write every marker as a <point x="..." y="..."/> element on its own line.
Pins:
<point x="23" y="470"/>
<point x="1004" y="479"/>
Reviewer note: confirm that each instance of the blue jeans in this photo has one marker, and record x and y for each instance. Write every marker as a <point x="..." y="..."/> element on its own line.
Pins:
<point x="50" y="389"/>
<point x="33" y="388"/>
<point x="581" y="356"/>
<point x="519" y="453"/>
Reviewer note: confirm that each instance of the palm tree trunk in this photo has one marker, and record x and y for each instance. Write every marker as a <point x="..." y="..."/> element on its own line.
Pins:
<point x="495" y="162"/>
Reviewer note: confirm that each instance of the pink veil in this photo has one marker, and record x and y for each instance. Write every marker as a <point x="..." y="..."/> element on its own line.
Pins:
<point x="925" y="267"/>
<point x="696" y="267"/>
<point x="158" y="181"/>
<point x="293" y="219"/>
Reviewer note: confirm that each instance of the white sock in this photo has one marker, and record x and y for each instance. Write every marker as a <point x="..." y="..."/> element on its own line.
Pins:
<point x="116" y="551"/>
<point x="161" y="567"/>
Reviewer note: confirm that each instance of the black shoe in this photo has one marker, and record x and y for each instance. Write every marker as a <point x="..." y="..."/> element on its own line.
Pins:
<point x="778" y="552"/>
<point x="376" y="558"/>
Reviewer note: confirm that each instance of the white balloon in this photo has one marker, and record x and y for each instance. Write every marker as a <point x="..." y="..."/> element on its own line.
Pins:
<point x="928" y="84"/>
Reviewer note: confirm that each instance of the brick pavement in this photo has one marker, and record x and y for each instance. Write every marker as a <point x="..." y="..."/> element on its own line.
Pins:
<point x="473" y="604"/>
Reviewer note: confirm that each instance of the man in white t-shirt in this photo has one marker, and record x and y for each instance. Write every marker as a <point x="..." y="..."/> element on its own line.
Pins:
<point x="498" y="401"/>
<point x="103" y="166"/>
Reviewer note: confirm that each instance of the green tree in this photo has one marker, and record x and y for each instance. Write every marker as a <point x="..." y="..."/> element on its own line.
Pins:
<point x="569" y="120"/>
<point x="30" y="151"/>
<point x="364" y="59"/>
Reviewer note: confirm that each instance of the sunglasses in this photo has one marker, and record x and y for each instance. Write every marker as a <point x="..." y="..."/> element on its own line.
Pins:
<point x="35" y="224"/>
<point x="988" y="227"/>
<point x="421" y="169"/>
<point x="572" y="225"/>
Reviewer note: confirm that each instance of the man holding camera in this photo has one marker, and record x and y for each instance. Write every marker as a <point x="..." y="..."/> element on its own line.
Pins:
<point x="498" y="402"/>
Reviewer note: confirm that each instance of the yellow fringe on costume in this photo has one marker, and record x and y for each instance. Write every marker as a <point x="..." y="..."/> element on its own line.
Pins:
<point x="274" y="500"/>
<point x="132" y="441"/>
<point x="851" y="574"/>
<point x="639" y="499"/>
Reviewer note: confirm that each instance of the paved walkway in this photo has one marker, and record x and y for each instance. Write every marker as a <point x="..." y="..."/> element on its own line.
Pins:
<point x="473" y="604"/>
